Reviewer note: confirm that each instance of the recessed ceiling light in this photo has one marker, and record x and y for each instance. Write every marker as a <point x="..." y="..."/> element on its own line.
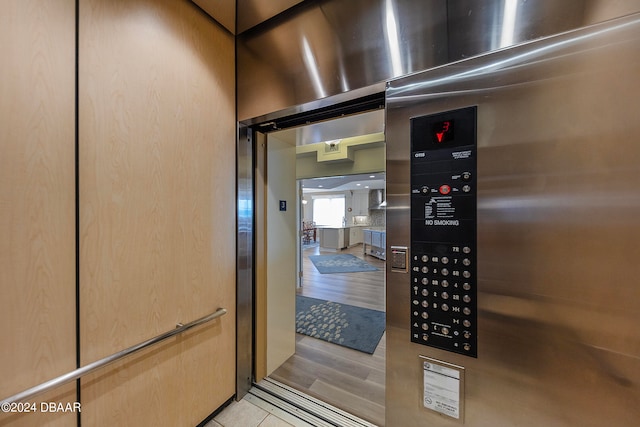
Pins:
<point x="366" y="186"/>
<point x="319" y="186"/>
<point x="372" y="176"/>
<point x="358" y="185"/>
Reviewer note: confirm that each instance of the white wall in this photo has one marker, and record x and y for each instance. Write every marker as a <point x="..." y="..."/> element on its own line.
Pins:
<point x="282" y="239"/>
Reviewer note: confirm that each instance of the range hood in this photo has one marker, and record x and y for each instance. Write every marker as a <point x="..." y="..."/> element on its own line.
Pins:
<point x="377" y="199"/>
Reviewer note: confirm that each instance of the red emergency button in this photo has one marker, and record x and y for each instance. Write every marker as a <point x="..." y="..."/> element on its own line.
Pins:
<point x="444" y="189"/>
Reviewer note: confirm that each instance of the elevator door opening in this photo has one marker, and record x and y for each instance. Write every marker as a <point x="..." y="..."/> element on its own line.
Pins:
<point x="300" y="265"/>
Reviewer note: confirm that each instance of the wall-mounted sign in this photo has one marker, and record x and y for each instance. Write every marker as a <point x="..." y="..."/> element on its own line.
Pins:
<point x="283" y="205"/>
<point x="443" y="385"/>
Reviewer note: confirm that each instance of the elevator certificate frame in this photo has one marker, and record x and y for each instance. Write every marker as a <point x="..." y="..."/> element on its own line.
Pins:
<point x="443" y="388"/>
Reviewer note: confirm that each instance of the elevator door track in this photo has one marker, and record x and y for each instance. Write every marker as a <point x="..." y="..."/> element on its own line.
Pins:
<point x="288" y="403"/>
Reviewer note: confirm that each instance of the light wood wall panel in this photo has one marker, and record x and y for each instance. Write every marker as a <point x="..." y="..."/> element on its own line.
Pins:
<point x="157" y="211"/>
<point x="37" y="199"/>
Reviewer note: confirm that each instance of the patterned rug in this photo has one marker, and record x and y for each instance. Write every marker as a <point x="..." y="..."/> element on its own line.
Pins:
<point x="354" y="327"/>
<point x="340" y="263"/>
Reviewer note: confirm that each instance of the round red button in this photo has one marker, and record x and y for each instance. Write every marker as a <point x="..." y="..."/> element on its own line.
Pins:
<point x="445" y="189"/>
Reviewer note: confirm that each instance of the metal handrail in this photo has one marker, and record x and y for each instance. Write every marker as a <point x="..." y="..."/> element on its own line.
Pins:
<point x="74" y="375"/>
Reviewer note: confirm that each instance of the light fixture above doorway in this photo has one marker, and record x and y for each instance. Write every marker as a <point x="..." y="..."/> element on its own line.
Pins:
<point x="332" y="145"/>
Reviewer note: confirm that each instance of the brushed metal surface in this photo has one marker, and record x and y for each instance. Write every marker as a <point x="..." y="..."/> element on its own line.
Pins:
<point x="323" y="48"/>
<point x="332" y="47"/>
<point x="340" y="128"/>
<point x="245" y="261"/>
<point x="558" y="232"/>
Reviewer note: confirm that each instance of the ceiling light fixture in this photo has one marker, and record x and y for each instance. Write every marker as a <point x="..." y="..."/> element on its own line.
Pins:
<point x="333" y="144"/>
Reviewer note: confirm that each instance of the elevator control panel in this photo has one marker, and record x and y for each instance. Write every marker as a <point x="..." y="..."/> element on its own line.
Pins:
<point x="443" y="231"/>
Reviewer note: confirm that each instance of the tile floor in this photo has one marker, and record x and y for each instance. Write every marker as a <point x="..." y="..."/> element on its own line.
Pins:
<point x="246" y="414"/>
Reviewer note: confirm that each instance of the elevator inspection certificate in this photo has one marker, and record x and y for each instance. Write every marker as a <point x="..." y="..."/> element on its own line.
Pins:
<point x="441" y="389"/>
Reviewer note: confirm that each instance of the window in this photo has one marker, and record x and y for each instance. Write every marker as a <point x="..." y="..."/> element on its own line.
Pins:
<point x="328" y="211"/>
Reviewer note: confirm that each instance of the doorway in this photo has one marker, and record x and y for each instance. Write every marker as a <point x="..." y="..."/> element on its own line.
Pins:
<point x="350" y="379"/>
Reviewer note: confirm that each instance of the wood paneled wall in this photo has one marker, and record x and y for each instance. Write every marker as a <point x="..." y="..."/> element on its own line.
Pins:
<point x="157" y="211"/>
<point x="37" y="199"/>
<point x="156" y="193"/>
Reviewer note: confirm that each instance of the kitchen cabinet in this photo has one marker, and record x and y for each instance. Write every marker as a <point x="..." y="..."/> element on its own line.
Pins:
<point x="360" y="204"/>
<point x="376" y="239"/>
<point x="374" y="243"/>
<point x="355" y="236"/>
<point x="366" y="238"/>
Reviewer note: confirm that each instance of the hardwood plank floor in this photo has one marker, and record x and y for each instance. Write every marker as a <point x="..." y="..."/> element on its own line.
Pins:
<point x="348" y="379"/>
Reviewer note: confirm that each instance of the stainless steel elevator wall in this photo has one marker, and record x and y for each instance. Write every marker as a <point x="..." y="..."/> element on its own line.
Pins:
<point x="320" y="49"/>
<point x="558" y="159"/>
<point x="558" y="232"/>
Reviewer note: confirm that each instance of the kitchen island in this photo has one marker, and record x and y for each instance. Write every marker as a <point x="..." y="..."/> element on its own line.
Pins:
<point x="340" y="237"/>
<point x="374" y="242"/>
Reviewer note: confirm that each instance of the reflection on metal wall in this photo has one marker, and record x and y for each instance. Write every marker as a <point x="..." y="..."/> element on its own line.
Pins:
<point x="323" y="48"/>
<point x="245" y="261"/>
<point x="557" y="232"/>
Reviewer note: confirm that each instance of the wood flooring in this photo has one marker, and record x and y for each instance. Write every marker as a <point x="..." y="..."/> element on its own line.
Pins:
<point x="346" y="378"/>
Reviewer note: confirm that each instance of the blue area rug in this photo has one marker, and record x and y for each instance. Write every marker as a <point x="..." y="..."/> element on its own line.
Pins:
<point x="340" y="263"/>
<point x="354" y="327"/>
<point x="310" y="245"/>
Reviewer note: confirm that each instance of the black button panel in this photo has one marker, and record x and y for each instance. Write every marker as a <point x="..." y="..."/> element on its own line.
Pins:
<point x="443" y="231"/>
<point x="443" y="306"/>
